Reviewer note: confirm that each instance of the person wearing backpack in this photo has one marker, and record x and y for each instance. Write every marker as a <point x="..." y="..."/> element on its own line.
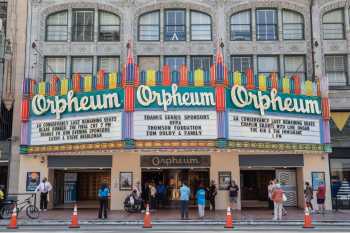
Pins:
<point x="103" y="194"/>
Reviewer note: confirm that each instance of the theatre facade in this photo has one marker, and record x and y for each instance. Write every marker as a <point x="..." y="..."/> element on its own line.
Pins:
<point x="161" y="126"/>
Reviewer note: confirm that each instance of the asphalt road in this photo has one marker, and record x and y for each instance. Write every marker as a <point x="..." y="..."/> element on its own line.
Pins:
<point x="177" y="228"/>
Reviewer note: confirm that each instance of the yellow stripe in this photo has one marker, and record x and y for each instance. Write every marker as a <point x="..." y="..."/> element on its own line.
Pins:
<point x="64" y="86"/>
<point x="112" y="80"/>
<point x="262" y="82"/>
<point x="285" y="85"/>
<point x="87" y="83"/>
<point x="237" y="78"/>
<point x="151" y="78"/>
<point x="199" y="78"/>
<point x="308" y="88"/>
<point x="42" y="88"/>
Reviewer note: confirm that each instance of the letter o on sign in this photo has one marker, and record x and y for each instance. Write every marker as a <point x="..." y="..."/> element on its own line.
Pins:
<point x="155" y="161"/>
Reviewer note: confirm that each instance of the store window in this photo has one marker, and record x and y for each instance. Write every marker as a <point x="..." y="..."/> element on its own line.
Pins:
<point x="340" y="181"/>
<point x="148" y="63"/>
<point x="108" y="64"/>
<point x="175" y="62"/>
<point x="295" y="65"/>
<point x="54" y="66"/>
<point x="336" y="70"/>
<point x="149" y="26"/>
<point x="241" y="63"/>
<point x="266" y="24"/>
<point x="200" y="26"/>
<point x="83" y="25"/>
<point x="175" y="25"/>
<point x="241" y="26"/>
<point x="333" y="25"/>
<point x="57" y="26"/>
<point x="109" y="26"/>
<point x="293" y="25"/>
<point x="201" y="62"/>
<point x="82" y="66"/>
<point x="268" y="65"/>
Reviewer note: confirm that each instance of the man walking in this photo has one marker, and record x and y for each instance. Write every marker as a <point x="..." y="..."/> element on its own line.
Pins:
<point x="184" y="198"/>
<point x="44" y="188"/>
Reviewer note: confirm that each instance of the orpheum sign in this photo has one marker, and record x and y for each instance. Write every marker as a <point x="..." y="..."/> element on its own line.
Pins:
<point x="173" y="161"/>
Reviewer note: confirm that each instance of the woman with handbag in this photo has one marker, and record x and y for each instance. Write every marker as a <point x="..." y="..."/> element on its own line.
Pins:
<point x="278" y="197"/>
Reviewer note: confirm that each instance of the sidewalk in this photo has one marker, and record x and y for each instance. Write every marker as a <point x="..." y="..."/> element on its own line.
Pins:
<point x="245" y="216"/>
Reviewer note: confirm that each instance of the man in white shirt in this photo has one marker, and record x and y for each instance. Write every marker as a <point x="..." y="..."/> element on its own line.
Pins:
<point x="44" y="188"/>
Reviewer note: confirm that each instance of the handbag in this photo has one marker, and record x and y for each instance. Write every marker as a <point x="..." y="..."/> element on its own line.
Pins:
<point x="284" y="198"/>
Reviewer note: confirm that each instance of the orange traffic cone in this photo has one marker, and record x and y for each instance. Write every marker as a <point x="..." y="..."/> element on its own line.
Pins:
<point x="307" y="218"/>
<point x="228" y="218"/>
<point x="74" y="220"/>
<point x="147" y="220"/>
<point x="13" y="221"/>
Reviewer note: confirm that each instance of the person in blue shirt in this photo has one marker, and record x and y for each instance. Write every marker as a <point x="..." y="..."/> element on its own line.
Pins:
<point x="184" y="199"/>
<point x="161" y="194"/>
<point x="103" y="194"/>
<point x="200" y="195"/>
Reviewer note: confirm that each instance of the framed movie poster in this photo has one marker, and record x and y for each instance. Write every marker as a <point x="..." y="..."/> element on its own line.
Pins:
<point x="125" y="181"/>
<point x="317" y="179"/>
<point x="33" y="180"/>
<point x="224" y="180"/>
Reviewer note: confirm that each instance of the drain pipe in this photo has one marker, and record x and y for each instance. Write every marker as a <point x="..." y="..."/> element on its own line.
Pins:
<point x="313" y="43"/>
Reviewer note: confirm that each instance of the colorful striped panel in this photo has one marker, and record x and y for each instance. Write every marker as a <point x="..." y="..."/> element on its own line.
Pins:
<point x="286" y="85"/>
<point x="262" y="82"/>
<point x="112" y="80"/>
<point x="88" y="83"/>
<point x="64" y="86"/>
<point x="198" y="78"/>
<point x="151" y="78"/>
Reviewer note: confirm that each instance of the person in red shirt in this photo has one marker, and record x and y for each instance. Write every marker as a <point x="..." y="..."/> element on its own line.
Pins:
<point x="277" y="197"/>
<point x="321" y="196"/>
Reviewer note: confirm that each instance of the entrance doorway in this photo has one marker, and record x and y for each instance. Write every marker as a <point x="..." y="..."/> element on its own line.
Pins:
<point x="254" y="183"/>
<point x="79" y="186"/>
<point x="172" y="178"/>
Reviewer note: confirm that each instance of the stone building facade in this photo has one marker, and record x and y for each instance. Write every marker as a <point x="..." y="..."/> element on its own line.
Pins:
<point x="297" y="44"/>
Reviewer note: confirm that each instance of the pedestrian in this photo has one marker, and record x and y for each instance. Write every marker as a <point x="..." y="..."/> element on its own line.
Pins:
<point x="270" y="188"/>
<point x="2" y="197"/>
<point x="137" y="189"/>
<point x="233" y="193"/>
<point x="153" y="194"/>
<point x="44" y="188"/>
<point x="277" y="197"/>
<point x="161" y="194"/>
<point x="103" y="194"/>
<point x="146" y="194"/>
<point x="200" y="195"/>
<point x="309" y="195"/>
<point x="212" y="192"/>
<point x="321" y="196"/>
<point x="184" y="199"/>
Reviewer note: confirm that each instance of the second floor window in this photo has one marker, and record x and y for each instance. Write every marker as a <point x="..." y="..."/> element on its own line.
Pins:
<point x="240" y="26"/>
<point x="54" y="66"/>
<point x="241" y="63"/>
<point x="175" y="62"/>
<point x="57" y="26"/>
<point x="108" y="64"/>
<point x="293" y="25"/>
<point x="268" y="65"/>
<point x="336" y="70"/>
<point x="82" y="66"/>
<point x="201" y="62"/>
<point x="200" y="26"/>
<point x="149" y="26"/>
<point x="109" y="27"/>
<point x="266" y="24"/>
<point x="295" y="65"/>
<point x="83" y="25"/>
<point x="148" y="63"/>
<point x="333" y="25"/>
<point x="175" y="25"/>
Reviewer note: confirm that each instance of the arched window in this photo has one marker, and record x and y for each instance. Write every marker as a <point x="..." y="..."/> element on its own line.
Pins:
<point x="149" y="26"/>
<point x="200" y="26"/>
<point x="266" y="24"/>
<point x="57" y="26"/>
<point x="241" y="26"/>
<point x="293" y="25"/>
<point x="109" y="27"/>
<point x="333" y="25"/>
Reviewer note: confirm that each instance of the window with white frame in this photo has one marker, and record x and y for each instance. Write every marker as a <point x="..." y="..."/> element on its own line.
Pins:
<point x="57" y="26"/>
<point x="241" y="26"/>
<point x="175" y="25"/>
<point x="175" y="62"/>
<point x="109" y="26"/>
<point x="54" y="66"/>
<point x="266" y="24"/>
<point x="241" y="63"/>
<point x="83" y="25"/>
<point x="148" y="63"/>
<point x="200" y="26"/>
<point x="82" y="65"/>
<point x="293" y="25"/>
<point x="149" y="26"/>
<point x="201" y="62"/>
<point x="108" y="64"/>
<point x="336" y="70"/>
<point x="268" y="65"/>
<point x="333" y="25"/>
<point x="295" y="65"/>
